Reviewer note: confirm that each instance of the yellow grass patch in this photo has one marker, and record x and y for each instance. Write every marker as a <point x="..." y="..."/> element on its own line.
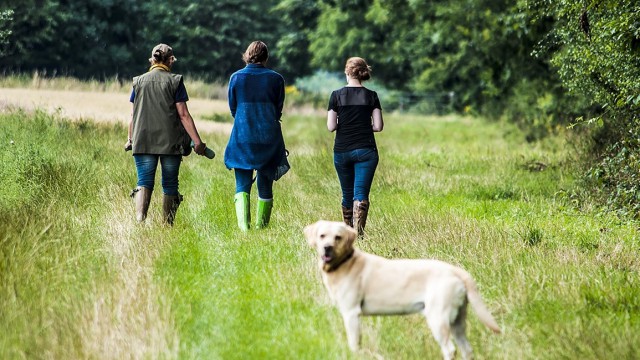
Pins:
<point x="103" y="106"/>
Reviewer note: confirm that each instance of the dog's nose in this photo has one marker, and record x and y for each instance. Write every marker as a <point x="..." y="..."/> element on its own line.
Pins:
<point x="328" y="249"/>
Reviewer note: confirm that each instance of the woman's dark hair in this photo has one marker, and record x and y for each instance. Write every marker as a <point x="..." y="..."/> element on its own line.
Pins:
<point x="257" y="52"/>
<point x="357" y="68"/>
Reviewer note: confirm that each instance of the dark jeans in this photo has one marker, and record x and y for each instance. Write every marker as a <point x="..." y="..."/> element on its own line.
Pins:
<point x="146" y="165"/>
<point x="355" y="170"/>
<point x="244" y="180"/>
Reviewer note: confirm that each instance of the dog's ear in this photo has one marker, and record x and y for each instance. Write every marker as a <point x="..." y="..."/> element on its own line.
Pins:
<point x="310" y="234"/>
<point x="352" y="234"/>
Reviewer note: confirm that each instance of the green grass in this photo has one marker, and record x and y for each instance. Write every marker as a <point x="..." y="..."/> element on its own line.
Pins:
<point x="80" y="279"/>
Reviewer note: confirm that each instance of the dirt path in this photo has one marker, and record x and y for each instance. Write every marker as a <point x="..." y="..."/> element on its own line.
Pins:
<point x="103" y="106"/>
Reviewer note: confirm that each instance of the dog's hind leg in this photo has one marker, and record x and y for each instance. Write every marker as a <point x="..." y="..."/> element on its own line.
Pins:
<point x="443" y="302"/>
<point x="441" y="330"/>
<point x="458" y="328"/>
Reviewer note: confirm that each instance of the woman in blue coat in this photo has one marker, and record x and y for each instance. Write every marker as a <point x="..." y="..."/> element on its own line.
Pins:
<point x="256" y="98"/>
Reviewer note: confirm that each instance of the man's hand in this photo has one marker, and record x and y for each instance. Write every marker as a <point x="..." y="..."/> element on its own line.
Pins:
<point x="199" y="148"/>
<point x="128" y="145"/>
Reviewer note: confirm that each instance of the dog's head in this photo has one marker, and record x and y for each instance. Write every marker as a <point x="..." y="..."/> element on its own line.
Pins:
<point x="332" y="240"/>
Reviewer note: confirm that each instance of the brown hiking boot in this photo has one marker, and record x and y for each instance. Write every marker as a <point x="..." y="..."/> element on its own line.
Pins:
<point x="347" y="216"/>
<point x="360" y="211"/>
<point x="170" y="204"/>
<point x="142" y="198"/>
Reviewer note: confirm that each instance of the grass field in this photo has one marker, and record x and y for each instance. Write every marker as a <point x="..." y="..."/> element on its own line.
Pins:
<point x="79" y="279"/>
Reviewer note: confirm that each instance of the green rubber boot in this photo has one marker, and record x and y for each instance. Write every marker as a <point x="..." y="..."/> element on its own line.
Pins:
<point x="264" y="213"/>
<point x="241" y="201"/>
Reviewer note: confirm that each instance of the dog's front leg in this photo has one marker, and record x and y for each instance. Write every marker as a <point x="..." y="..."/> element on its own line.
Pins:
<point x="351" y="319"/>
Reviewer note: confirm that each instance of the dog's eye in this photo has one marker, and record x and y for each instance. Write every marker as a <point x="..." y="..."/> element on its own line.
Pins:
<point x="322" y="236"/>
<point x="338" y="238"/>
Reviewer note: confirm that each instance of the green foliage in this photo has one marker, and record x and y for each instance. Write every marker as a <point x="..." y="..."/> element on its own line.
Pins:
<point x="599" y="56"/>
<point x="615" y="177"/>
<point x="474" y="57"/>
<point x="343" y="32"/>
<point x="103" y="38"/>
<point x="212" y="34"/>
<point x="598" y="61"/>
<point x="6" y="16"/>
<point x="298" y="20"/>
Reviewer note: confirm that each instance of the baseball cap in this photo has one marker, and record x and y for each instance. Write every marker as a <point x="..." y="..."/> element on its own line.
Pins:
<point x="163" y="52"/>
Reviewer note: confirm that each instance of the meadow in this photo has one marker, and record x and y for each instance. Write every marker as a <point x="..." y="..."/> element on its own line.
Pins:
<point x="80" y="279"/>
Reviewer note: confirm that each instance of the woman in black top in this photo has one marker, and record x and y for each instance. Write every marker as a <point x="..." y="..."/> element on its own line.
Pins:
<point x="355" y="114"/>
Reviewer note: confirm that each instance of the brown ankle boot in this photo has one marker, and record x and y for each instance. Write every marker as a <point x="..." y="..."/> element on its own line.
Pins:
<point x="170" y="204"/>
<point x="347" y="216"/>
<point x="360" y="211"/>
<point x="142" y="198"/>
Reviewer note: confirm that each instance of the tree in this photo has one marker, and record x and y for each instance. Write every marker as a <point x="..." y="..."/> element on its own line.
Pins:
<point x="478" y="50"/>
<point x="344" y="31"/>
<point x="103" y="38"/>
<point x="85" y="39"/>
<point x="33" y="31"/>
<point x="599" y="57"/>
<point x="6" y="16"/>
<point x="298" y="19"/>
<point x="210" y="36"/>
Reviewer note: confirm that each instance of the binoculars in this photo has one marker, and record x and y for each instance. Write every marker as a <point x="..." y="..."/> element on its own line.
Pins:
<point x="210" y="154"/>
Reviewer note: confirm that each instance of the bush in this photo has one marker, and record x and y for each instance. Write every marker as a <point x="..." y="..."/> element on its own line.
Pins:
<point x="598" y="62"/>
<point x="615" y="176"/>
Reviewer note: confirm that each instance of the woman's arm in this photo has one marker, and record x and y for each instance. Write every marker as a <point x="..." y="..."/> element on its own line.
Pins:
<point x="231" y="95"/>
<point x="128" y="145"/>
<point x="281" y="95"/>
<point x="130" y="132"/>
<point x="377" y="123"/>
<point x="332" y="120"/>
<point x="190" y="127"/>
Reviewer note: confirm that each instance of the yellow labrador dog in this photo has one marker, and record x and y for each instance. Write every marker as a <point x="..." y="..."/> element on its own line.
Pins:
<point x="366" y="284"/>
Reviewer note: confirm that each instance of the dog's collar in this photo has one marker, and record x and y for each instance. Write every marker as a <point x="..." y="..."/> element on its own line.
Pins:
<point x="333" y="267"/>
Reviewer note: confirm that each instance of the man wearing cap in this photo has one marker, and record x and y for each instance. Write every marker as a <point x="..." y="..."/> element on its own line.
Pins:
<point x="160" y="127"/>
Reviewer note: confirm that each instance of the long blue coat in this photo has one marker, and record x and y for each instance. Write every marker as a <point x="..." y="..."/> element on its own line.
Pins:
<point x="256" y="98"/>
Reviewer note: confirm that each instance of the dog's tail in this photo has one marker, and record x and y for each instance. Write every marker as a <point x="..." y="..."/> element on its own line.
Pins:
<point x="473" y="295"/>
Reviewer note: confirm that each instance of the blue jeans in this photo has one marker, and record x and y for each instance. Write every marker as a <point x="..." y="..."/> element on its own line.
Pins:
<point x="355" y="170"/>
<point x="244" y="180"/>
<point x="146" y="165"/>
